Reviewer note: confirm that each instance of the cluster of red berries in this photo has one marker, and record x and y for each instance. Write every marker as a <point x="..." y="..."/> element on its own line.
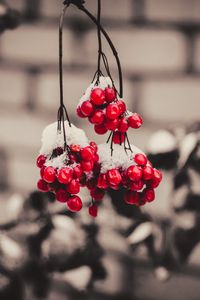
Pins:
<point x="108" y="113"/>
<point x="66" y="181"/>
<point x="139" y="181"/>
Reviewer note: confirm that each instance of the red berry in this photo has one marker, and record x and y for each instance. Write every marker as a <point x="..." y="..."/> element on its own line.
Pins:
<point x="110" y="94"/>
<point x="157" y="175"/>
<point x="134" y="173"/>
<point x="75" y="148"/>
<point x="74" y="203"/>
<point x="91" y="183"/>
<point x="136" y="186"/>
<point x="149" y="195"/>
<point x="112" y="124"/>
<point x="100" y="129"/>
<point x="87" y="108"/>
<point x="122" y="106"/>
<point x="77" y="171"/>
<point x="93" y="210"/>
<point x="65" y="175"/>
<point x="114" y="177"/>
<point x="118" y="137"/>
<point x="97" y="96"/>
<point x="97" y="117"/>
<point x="153" y="183"/>
<point x="42" y="186"/>
<point x="49" y="174"/>
<point x="79" y="112"/>
<point x="123" y="125"/>
<point x="94" y="146"/>
<point x="62" y="195"/>
<point x="42" y="172"/>
<point x="131" y="197"/>
<point x="140" y="159"/>
<point x="112" y="111"/>
<point x="87" y="166"/>
<point x="102" y="182"/>
<point x="74" y="187"/>
<point x="41" y="161"/>
<point x="73" y="157"/>
<point x="135" y="121"/>
<point x="147" y="173"/>
<point x="97" y="194"/>
<point x="96" y="158"/>
<point x="87" y="153"/>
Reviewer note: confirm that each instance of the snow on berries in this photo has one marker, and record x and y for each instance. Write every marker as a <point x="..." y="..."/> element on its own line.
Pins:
<point x="68" y="161"/>
<point x="130" y="171"/>
<point x="101" y="105"/>
<point x="64" y="170"/>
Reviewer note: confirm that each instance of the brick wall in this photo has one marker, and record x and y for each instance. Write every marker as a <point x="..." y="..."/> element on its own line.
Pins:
<point x="159" y="46"/>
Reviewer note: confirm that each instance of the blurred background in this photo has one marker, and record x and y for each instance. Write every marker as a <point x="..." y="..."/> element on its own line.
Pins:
<point x="158" y="43"/>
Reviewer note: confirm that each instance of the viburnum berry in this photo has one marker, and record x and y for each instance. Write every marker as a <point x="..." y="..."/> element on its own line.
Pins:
<point x="153" y="183"/>
<point x="62" y="195"/>
<point x="97" y="194"/>
<point x="65" y="175"/>
<point x="87" y="108"/>
<point x="97" y="96"/>
<point x="93" y="145"/>
<point x="131" y="197"/>
<point x="100" y="129"/>
<point x="42" y="186"/>
<point x="110" y="94"/>
<point x="87" y="166"/>
<point x="134" y="173"/>
<point x="157" y="175"/>
<point x="118" y="137"/>
<point x="87" y="153"/>
<point x="75" y="148"/>
<point x="112" y="111"/>
<point x="147" y="173"/>
<point x="74" y="203"/>
<point x="72" y="157"/>
<point x="121" y="105"/>
<point x="96" y="158"/>
<point x="111" y="124"/>
<point x="79" y="113"/>
<point x="49" y="174"/>
<point x="135" y="121"/>
<point x="102" y="182"/>
<point x="42" y="171"/>
<point x="123" y="125"/>
<point x="140" y="159"/>
<point x="149" y="195"/>
<point x="91" y="183"/>
<point x="93" y="210"/>
<point x="136" y="185"/>
<point x="41" y="161"/>
<point x="74" y="187"/>
<point x="97" y="117"/>
<point x="114" y="177"/>
<point x="77" y="171"/>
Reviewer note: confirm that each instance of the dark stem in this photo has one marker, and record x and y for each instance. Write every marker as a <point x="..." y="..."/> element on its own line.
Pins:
<point x="99" y="39"/>
<point x="81" y="7"/>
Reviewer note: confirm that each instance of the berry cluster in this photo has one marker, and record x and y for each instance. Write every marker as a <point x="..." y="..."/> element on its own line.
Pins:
<point x="102" y="107"/>
<point x="64" y="172"/>
<point x="135" y="175"/>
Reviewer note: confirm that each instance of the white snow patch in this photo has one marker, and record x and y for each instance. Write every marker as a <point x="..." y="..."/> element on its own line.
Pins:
<point x="51" y="139"/>
<point x="119" y="158"/>
<point x="104" y="82"/>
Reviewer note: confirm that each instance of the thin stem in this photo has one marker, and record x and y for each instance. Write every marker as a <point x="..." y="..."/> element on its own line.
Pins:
<point x="81" y="7"/>
<point x="99" y="39"/>
<point x="61" y="63"/>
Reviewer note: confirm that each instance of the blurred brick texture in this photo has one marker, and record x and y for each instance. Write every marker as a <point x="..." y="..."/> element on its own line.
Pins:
<point x="159" y="46"/>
